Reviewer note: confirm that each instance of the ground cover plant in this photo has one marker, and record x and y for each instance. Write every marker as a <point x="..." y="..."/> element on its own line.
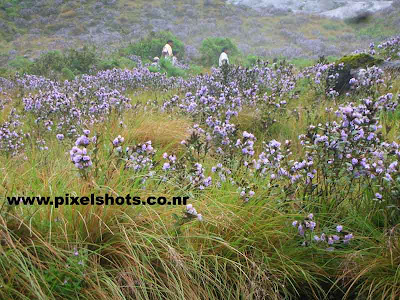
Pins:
<point x="293" y="189"/>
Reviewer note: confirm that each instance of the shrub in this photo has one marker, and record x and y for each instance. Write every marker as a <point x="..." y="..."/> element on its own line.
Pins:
<point x="47" y="62"/>
<point x="211" y="49"/>
<point x="152" y="45"/>
<point x="81" y="61"/>
<point x="20" y="63"/>
<point x="195" y="70"/>
<point x="57" y="62"/>
<point x="126" y="63"/>
<point x="68" y="74"/>
<point x="116" y="62"/>
<point x="252" y="60"/>
<point x="108" y="64"/>
<point x="172" y="71"/>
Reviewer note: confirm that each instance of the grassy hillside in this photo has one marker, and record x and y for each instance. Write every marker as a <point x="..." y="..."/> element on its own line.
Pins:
<point x="30" y="27"/>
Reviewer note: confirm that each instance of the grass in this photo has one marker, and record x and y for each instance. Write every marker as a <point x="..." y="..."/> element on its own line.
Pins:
<point x="238" y="252"/>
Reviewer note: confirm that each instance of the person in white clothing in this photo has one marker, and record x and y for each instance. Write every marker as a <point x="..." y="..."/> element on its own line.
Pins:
<point x="223" y="58"/>
<point x="167" y="50"/>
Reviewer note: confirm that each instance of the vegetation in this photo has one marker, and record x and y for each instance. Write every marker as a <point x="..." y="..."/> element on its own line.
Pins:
<point x="211" y="48"/>
<point x="28" y="28"/>
<point x="362" y="60"/>
<point x="151" y="46"/>
<point x="294" y="191"/>
<point x="71" y="62"/>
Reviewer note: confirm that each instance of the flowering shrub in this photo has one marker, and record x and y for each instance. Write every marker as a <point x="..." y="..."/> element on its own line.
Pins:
<point x="368" y="80"/>
<point x="11" y="135"/>
<point x="139" y="157"/>
<point x="307" y="231"/>
<point x="338" y="157"/>
<point x="391" y="48"/>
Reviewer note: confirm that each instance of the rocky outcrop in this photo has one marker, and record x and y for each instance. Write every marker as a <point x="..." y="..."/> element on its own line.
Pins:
<point x="347" y="68"/>
<point x="342" y="9"/>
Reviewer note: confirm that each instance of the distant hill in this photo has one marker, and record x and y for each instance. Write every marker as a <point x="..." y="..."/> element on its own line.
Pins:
<point x="341" y="9"/>
<point x="29" y="27"/>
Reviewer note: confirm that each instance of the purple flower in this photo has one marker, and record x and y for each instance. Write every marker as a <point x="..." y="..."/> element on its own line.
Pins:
<point x="347" y="238"/>
<point x="82" y="141"/>
<point x="301" y="230"/>
<point x="118" y="141"/>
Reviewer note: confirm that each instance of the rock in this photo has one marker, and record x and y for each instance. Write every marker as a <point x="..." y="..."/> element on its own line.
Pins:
<point x="343" y="9"/>
<point x="361" y="60"/>
<point x="357" y="10"/>
<point x="351" y="65"/>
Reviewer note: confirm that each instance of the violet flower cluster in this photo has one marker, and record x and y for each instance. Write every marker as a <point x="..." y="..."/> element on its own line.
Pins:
<point x="307" y="231"/>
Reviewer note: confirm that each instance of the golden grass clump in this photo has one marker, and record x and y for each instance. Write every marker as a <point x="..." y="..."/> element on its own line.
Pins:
<point x="160" y="129"/>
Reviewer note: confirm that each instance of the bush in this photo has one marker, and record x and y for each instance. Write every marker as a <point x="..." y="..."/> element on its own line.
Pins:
<point x="67" y="74"/>
<point x="172" y="71"/>
<point x="252" y="60"/>
<point x="108" y="64"/>
<point x="152" y="45"/>
<point x="81" y="61"/>
<point x="126" y="63"/>
<point x="20" y="63"/>
<point x="57" y="62"/>
<point x="116" y="62"/>
<point x="211" y="49"/>
<point x="46" y="63"/>
<point x="195" y="70"/>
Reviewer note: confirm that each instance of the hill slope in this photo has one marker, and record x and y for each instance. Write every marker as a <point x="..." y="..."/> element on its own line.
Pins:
<point x="29" y="27"/>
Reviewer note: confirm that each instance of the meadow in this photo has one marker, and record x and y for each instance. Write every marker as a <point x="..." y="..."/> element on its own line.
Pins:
<point x="293" y="187"/>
